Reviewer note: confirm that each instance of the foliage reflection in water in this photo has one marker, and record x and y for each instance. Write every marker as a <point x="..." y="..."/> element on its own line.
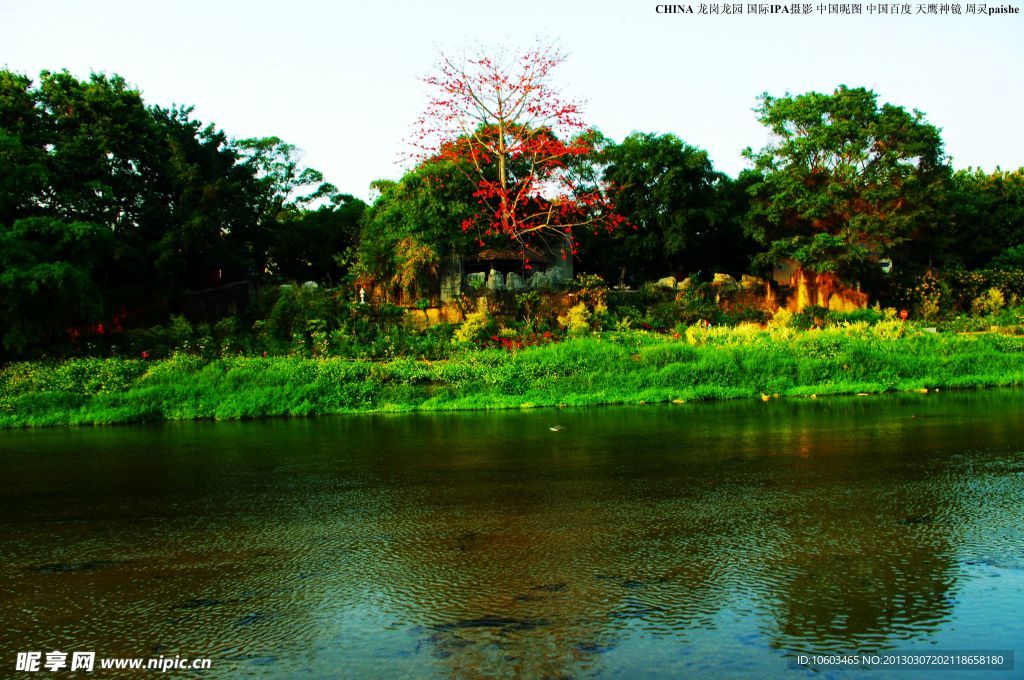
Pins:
<point x="707" y="538"/>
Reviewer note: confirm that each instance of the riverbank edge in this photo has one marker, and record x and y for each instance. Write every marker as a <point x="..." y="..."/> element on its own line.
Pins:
<point x="594" y="371"/>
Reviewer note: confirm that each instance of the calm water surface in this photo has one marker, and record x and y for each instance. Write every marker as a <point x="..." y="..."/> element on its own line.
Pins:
<point x="694" y="540"/>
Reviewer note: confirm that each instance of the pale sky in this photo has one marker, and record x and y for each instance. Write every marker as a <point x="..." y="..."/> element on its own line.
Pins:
<point x="340" y="80"/>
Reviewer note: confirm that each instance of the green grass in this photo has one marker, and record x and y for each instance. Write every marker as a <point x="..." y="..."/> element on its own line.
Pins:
<point x="626" y="367"/>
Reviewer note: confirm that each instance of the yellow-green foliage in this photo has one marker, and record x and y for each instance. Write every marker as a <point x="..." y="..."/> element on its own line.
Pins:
<point x="783" y="319"/>
<point x="602" y="319"/>
<point x="699" y="335"/>
<point x="990" y="302"/>
<point x="932" y="295"/>
<point x="476" y="326"/>
<point x="576" y="321"/>
<point x="889" y="329"/>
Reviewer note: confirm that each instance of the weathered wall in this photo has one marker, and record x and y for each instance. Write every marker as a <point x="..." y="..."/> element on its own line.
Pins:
<point x="823" y="290"/>
<point x="502" y="306"/>
<point x="424" y="318"/>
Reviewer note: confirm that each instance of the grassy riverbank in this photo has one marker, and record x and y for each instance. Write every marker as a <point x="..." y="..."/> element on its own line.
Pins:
<point x="625" y="367"/>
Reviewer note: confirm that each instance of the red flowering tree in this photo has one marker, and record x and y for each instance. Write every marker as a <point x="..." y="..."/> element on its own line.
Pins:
<point x="524" y="147"/>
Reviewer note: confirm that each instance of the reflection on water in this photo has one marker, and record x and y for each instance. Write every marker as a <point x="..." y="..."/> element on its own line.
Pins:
<point x="684" y="539"/>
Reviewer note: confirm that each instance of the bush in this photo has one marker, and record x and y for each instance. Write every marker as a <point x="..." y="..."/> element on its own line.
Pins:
<point x="783" y="318"/>
<point x="1010" y="259"/>
<point x="960" y="289"/>
<point x="990" y="302"/>
<point x="695" y="304"/>
<point x="930" y="297"/>
<point x="225" y="332"/>
<point x="868" y="315"/>
<point x="576" y="321"/>
<point x="477" y="327"/>
<point x="810" y="317"/>
<point x="527" y="304"/>
<point x="697" y="335"/>
<point x="590" y="289"/>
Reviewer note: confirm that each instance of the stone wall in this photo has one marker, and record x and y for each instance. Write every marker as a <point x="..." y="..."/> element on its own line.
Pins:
<point x="805" y="289"/>
<point x="431" y="316"/>
<point x="500" y="304"/>
<point x="823" y="290"/>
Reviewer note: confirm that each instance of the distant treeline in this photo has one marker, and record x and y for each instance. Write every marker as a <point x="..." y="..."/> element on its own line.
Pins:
<point x="112" y="212"/>
<point x="111" y="209"/>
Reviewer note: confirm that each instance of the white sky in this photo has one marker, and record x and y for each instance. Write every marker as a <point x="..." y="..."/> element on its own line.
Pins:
<point x="340" y="79"/>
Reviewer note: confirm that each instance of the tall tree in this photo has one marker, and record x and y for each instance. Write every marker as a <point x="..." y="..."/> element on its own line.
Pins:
<point x="987" y="211"/>
<point x="845" y="179"/>
<point x="318" y="245"/>
<point x="24" y="174"/>
<point x="48" y="280"/>
<point x="408" y="231"/>
<point x="503" y="122"/>
<point x="203" y="208"/>
<point x="678" y="207"/>
<point x="108" y="206"/>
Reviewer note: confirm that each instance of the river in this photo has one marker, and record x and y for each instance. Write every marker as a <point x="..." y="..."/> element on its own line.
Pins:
<point x="697" y="540"/>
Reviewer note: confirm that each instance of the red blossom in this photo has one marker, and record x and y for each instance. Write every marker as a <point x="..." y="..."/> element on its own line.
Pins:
<point x="502" y="121"/>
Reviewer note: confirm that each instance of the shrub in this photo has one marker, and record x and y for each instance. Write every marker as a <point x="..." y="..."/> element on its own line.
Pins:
<point x="1010" y="259"/>
<point x="695" y="304"/>
<point x="317" y="330"/>
<point x="930" y="296"/>
<point x="889" y="329"/>
<point x="590" y="289"/>
<point x="602" y="319"/>
<point x="477" y="327"/>
<point x="577" y="320"/>
<point x="783" y="319"/>
<point x="970" y="285"/>
<point x="812" y="316"/>
<point x="527" y="304"/>
<point x="990" y="302"/>
<point x="697" y="335"/>
<point x="867" y="315"/>
<point x="225" y="332"/>
<point x="180" y="332"/>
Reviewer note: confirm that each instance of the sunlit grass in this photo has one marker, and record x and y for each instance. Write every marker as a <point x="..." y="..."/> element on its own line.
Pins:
<point x="629" y="367"/>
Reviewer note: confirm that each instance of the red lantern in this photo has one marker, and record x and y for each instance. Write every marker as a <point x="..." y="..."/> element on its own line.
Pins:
<point x="904" y="314"/>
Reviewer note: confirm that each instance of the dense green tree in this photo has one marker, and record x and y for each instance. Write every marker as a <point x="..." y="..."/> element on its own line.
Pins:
<point x="681" y="213"/>
<point x="310" y="228"/>
<point x="414" y="225"/>
<point x="70" y="175"/>
<point x="286" y="184"/>
<point x="317" y="245"/>
<point x="24" y="173"/>
<point x="173" y="205"/>
<point x="176" y="198"/>
<point x="48" y="279"/>
<point x="1010" y="259"/>
<point x="202" y="221"/>
<point x="987" y="213"/>
<point x="845" y="179"/>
